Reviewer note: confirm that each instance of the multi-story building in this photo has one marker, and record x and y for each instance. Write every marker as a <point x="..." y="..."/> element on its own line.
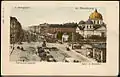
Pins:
<point x="15" y="30"/>
<point x="93" y="26"/>
<point x="34" y="29"/>
<point x="39" y="29"/>
<point x="64" y="28"/>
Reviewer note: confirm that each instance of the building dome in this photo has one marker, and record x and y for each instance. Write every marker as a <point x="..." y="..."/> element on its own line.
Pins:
<point x="82" y="22"/>
<point x="89" y="21"/>
<point x="95" y="16"/>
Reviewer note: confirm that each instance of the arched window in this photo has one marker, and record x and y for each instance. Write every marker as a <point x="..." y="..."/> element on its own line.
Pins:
<point x="91" y="26"/>
<point x="98" y="22"/>
<point x="94" y="21"/>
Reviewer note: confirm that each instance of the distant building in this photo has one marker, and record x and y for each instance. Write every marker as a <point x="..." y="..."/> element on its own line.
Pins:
<point x="35" y="29"/>
<point x="93" y="26"/>
<point x="39" y="29"/>
<point x="65" y="37"/>
<point x="64" y="28"/>
<point x="44" y="28"/>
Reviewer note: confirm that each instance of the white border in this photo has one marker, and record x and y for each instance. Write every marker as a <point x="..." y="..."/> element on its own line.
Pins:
<point x="108" y="69"/>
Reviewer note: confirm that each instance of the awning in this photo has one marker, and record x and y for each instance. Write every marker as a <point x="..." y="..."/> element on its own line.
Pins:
<point x="86" y="46"/>
<point x="100" y="46"/>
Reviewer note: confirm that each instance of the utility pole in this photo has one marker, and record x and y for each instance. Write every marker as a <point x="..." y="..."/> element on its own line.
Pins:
<point x="72" y="39"/>
<point x="13" y="41"/>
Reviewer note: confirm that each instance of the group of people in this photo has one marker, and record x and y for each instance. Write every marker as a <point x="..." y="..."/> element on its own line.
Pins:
<point x="68" y="47"/>
<point x="41" y="53"/>
<point x="20" y="48"/>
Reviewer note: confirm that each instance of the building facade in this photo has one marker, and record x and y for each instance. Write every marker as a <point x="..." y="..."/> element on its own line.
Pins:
<point x="15" y="30"/>
<point x="93" y="26"/>
<point x="63" y="28"/>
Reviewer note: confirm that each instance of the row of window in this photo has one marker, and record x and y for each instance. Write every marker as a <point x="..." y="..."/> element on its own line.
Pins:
<point x="96" y="21"/>
<point x="88" y="26"/>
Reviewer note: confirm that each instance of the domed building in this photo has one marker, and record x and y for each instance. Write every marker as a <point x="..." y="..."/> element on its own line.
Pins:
<point x="93" y="26"/>
<point x="82" y="22"/>
<point x="89" y="25"/>
<point x="96" y="17"/>
<point x="89" y="21"/>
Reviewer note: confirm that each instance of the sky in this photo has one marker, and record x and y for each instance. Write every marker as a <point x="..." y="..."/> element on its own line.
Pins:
<point x="52" y="15"/>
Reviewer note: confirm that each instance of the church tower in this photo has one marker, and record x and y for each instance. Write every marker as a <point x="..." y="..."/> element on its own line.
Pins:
<point x="96" y="17"/>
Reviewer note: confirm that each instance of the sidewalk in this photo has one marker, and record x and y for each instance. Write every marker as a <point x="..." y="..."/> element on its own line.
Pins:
<point x="73" y="53"/>
<point x="89" y="59"/>
<point x="17" y="53"/>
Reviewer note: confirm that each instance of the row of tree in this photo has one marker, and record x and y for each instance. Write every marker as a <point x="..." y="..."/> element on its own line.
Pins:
<point x="78" y="37"/>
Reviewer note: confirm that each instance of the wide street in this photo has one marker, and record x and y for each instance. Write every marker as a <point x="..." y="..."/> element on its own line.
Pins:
<point x="72" y="53"/>
<point x="59" y="55"/>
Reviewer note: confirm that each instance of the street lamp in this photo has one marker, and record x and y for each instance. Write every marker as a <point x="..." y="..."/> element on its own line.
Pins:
<point x="72" y="39"/>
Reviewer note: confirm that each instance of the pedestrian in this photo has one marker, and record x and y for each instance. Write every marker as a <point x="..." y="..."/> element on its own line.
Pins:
<point x="67" y="47"/>
<point x="18" y="47"/>
<point x="88" y="54"/>
<point x="22" y="48"/>
<point x="13" y="48"/>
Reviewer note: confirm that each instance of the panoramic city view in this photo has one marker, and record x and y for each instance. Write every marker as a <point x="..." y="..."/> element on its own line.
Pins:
<point x="58" y="35"/>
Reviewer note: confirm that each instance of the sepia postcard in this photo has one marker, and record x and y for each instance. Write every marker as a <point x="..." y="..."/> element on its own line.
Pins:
<point x="60" y="38"/>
